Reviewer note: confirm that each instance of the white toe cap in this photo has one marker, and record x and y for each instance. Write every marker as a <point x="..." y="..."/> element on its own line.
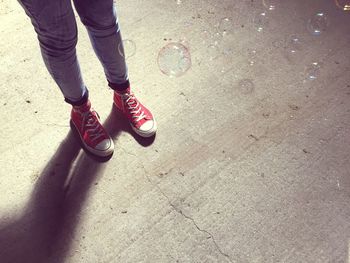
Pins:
<point x="105" y="145"/>
<point x="147" y="126"/>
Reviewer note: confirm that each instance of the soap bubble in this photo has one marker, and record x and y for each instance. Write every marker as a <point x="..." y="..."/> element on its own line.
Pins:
<point x="127" y="48"/>
<point x="226" y="46"/>
<point x="312" y="71"/>
<point x="174" y="59"/>
<point x="293" y="47"/>
<point x="318" y="24"/>
<point x="343" y="4"/>
<point x="294" y="44"/>
<point x="278" y="43"/>
<point x="226" y="26"/>
<point x="246" y="86"/>
<point x="261" y="21"/>
<point x="205" y="36"/>
<point x="188" y="23"/>
<point x="210" y="37"/>
<point x="252" y="55"/>
<point x="216" y="37"/>
<point x="212" y="52"/>
<point x="270" y="4"/>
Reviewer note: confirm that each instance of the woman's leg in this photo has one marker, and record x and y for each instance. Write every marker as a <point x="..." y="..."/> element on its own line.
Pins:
<point x="100" y="19"/>
<point x="55" y="25"/>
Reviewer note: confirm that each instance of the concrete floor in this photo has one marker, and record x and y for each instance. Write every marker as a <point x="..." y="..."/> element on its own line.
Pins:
<point x="233" y="175"/>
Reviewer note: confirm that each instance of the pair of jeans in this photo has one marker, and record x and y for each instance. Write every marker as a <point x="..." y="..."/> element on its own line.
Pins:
<point x="55" y="24"/>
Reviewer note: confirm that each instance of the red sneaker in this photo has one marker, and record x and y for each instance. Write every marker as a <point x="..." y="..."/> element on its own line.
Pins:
<point x="92" y="134"/>
<point x="140" y="118"/>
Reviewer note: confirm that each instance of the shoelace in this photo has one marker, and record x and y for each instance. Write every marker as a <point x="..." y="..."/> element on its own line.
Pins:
<point x="134" y="107"/>
<point x="90" y="125"/>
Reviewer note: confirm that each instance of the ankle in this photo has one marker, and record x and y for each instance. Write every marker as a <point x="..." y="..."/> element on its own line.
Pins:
<point x="122" y="91"/>
<point x="83" y="107"/>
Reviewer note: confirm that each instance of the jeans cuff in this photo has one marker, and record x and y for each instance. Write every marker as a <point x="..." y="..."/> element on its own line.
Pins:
<point x="80" y="102"/>
<point x="119" y="86"/>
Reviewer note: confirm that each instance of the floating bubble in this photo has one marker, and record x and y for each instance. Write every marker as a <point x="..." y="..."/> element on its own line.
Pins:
<point x="205" y="35"/>
<point x="252" y="54"/>
<point x="278" y="43"/>
<point x="174" y="59"/>
<point x="227" y="50"/>
<point x="226" y="26"/>
<point x="226" y="46"/>
<point x="312" y="71"/>
<point x="294" y="44"/>
<point x="318" y="24"/>
<point x="246" y="86"/>
<point x="270" y="4"/>
<point x="216" y="37"/>
<point x="188" y="23"/>
<point x="343" y="4"/>
<point x="261" y="21"/>
<point x="212" y="52"/>
<point x="127" y="48"/>
<point x="293" y="47"/>
<point x="210" y="37"/>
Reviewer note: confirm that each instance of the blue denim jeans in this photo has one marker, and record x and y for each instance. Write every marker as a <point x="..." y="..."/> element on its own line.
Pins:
<point x="55" y="25"/>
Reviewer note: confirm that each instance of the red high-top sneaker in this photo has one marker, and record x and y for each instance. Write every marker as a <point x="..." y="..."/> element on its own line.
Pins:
<point x="140" y="118"/>
<point x="94" y="137"/>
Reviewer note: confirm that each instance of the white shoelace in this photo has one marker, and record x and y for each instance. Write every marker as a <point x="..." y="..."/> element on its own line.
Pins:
<point x="135" y="111"/>
<point x="91" y="125"/>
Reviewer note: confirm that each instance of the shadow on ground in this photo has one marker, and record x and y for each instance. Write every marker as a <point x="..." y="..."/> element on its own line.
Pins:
<point x="44" y="231"/>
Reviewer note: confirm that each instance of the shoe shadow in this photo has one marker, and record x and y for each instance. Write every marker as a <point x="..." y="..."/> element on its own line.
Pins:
<point x="44" y="230"/>
<point x="116" y="122"/>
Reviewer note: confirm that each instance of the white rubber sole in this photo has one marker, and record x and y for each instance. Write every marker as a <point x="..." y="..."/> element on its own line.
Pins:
<point x="144" y="134"/>
<point x="93" y="151"/>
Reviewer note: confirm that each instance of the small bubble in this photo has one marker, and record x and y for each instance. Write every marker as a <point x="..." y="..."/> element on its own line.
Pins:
<point x="278" y="43"/>
<point x="246" y="86"/>
<point x="312" y="71"/>
<point x="212" y="52"/>
<point x="188" y="23"/>
<point x="216" y="38"/>
<point x="318" y="24"/>
<point x="294" y="43"/>
<point x="210" y="37"/>
<point x="252" y="55"/>
<point x="261" y="21"/>
<point x="293" y="47"/>
<point x="127" y="48"/>
<point x="205" y="36"/>
<point x="226" y="26"/>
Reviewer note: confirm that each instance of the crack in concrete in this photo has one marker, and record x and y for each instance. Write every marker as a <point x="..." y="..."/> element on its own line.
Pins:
<point x="127" y="152"/>
<point x="188" y="217"/>
<point x="51" y="124"/>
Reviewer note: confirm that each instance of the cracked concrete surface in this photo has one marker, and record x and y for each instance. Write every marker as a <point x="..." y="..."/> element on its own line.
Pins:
<point x="193" y="221"/>
<point x="250" y="162"/>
